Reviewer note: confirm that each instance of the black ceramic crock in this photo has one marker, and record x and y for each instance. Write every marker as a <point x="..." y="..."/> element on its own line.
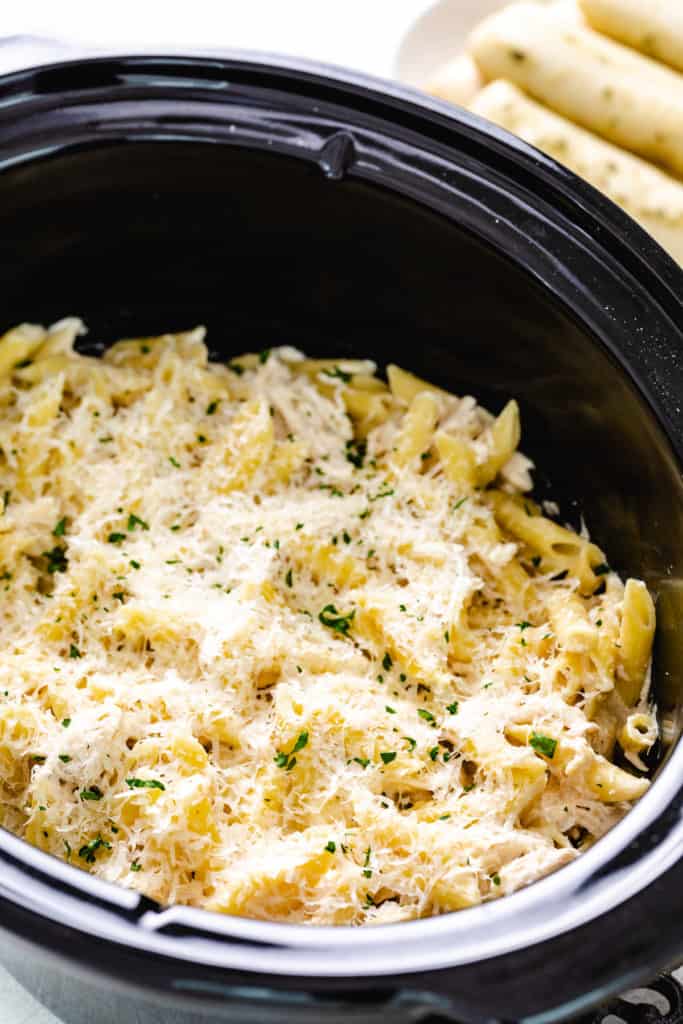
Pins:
<point x="282" y="203"/>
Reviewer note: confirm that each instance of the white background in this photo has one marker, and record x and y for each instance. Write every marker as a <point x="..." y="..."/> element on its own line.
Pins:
<point x="363" y="34"/>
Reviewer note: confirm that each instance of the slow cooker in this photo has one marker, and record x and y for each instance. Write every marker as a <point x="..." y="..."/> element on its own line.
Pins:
<point x="278" y="202"/>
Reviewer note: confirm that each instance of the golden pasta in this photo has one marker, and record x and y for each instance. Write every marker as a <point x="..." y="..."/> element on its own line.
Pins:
<point x="283" y="641"/>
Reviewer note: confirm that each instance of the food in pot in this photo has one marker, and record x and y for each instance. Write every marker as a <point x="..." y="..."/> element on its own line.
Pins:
<point x="284" y="640"/>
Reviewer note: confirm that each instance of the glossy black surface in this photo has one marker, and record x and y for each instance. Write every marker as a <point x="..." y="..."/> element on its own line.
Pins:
<point x="276" y="205"/>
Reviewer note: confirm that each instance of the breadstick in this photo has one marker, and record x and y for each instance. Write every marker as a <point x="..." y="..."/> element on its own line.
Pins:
<point x="649" y="195"/>
<point x="627" y="98"/>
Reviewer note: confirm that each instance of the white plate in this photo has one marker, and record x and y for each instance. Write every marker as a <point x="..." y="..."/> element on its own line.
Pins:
<point x="439" y="34"/>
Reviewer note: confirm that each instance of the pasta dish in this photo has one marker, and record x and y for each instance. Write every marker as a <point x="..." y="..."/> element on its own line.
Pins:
<point x="284" y="640"/>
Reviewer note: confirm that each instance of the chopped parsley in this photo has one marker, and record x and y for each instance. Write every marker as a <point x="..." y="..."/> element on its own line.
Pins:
<point x="339" y="373"/>
<point x="427" y="715"/>
<point x="388" y="756"/>
<point x="116" y="538"/>
<point x="264" y="356"/>
<point x="390" y="711"/>
<point x="65" y="758"/>
<point x="135" y="866"/>
<point x="74" y="651"/>
<point x="355" y="452"/>
<point x="66" y="722"/>
<point x="60" y="528"/>
<point x="367" y="870"/>
<point x="387" y="662"/>
<point x="56" y="559"/>
<point x="523" y="625"/>
<point x="287" y="761"/>
<point x="288" y="578"/>
<point x="211" y="407"/>
<point x="6" y="500"/>
<point x="545" y="745"/>
<point x="334" y="620"/>
<point x="145" y="784"/>
<point x="495" y="878"/>
<point x="93" y="793"/>
<point x="452" y="709"/>
<point x="134" y="564"/>
<point x="459" y="504"/>
<point x="331" y="847"/>
<point x="411" y="743"/>
<point x="386" y="493"/>
<point x="434" y="753"/>
<point x="134" y="521"/>
<point x="362" y="761"/>
<point x="174" y="462"/>
<point x="90" y="849"/>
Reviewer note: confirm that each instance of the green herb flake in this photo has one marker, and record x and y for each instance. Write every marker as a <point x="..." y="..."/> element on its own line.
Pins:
<point x="211" y="407"/>
<point x="545" y="745"/>
<point x="452" y="709"/>
<point x="64" y="758"/>
<point x="134" y="564"/>
<point x="459" y="504"/>
<point x="335" y="621"/>
<point x="355" y="452"/>
<point x="390" y="711"/>
<point x="174" y="462"/>
<point x="388" y="756"/>
<point x="116" y="538"/>
<point x="434" y="753"/>
<point x="362" y="761"/>
<point x="135" y="866"/>
<point x="338" y="373"/>
<point x="145" y="784"/>
<point x="288" y="578"/>
<point x="60" y="528"/>
<point x="74" y="651"/>
<point x="66" y="722"/>
<point x="411" y="743"/>
<point x="6" y="500"/>
<point x="427" y="715"/>
<point x="331" y="847"/>
<point x="495" y="878"/>
<point x="134" y="521"/>
<point x="523" y="625"/>
<point x="89" y="850"/>
<point x="56" y="560"/>
<point x="288" y="760"/>
<point x="387" y="662"/>
<point x="264" y="356"/>
<point x="93" y="793"/>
